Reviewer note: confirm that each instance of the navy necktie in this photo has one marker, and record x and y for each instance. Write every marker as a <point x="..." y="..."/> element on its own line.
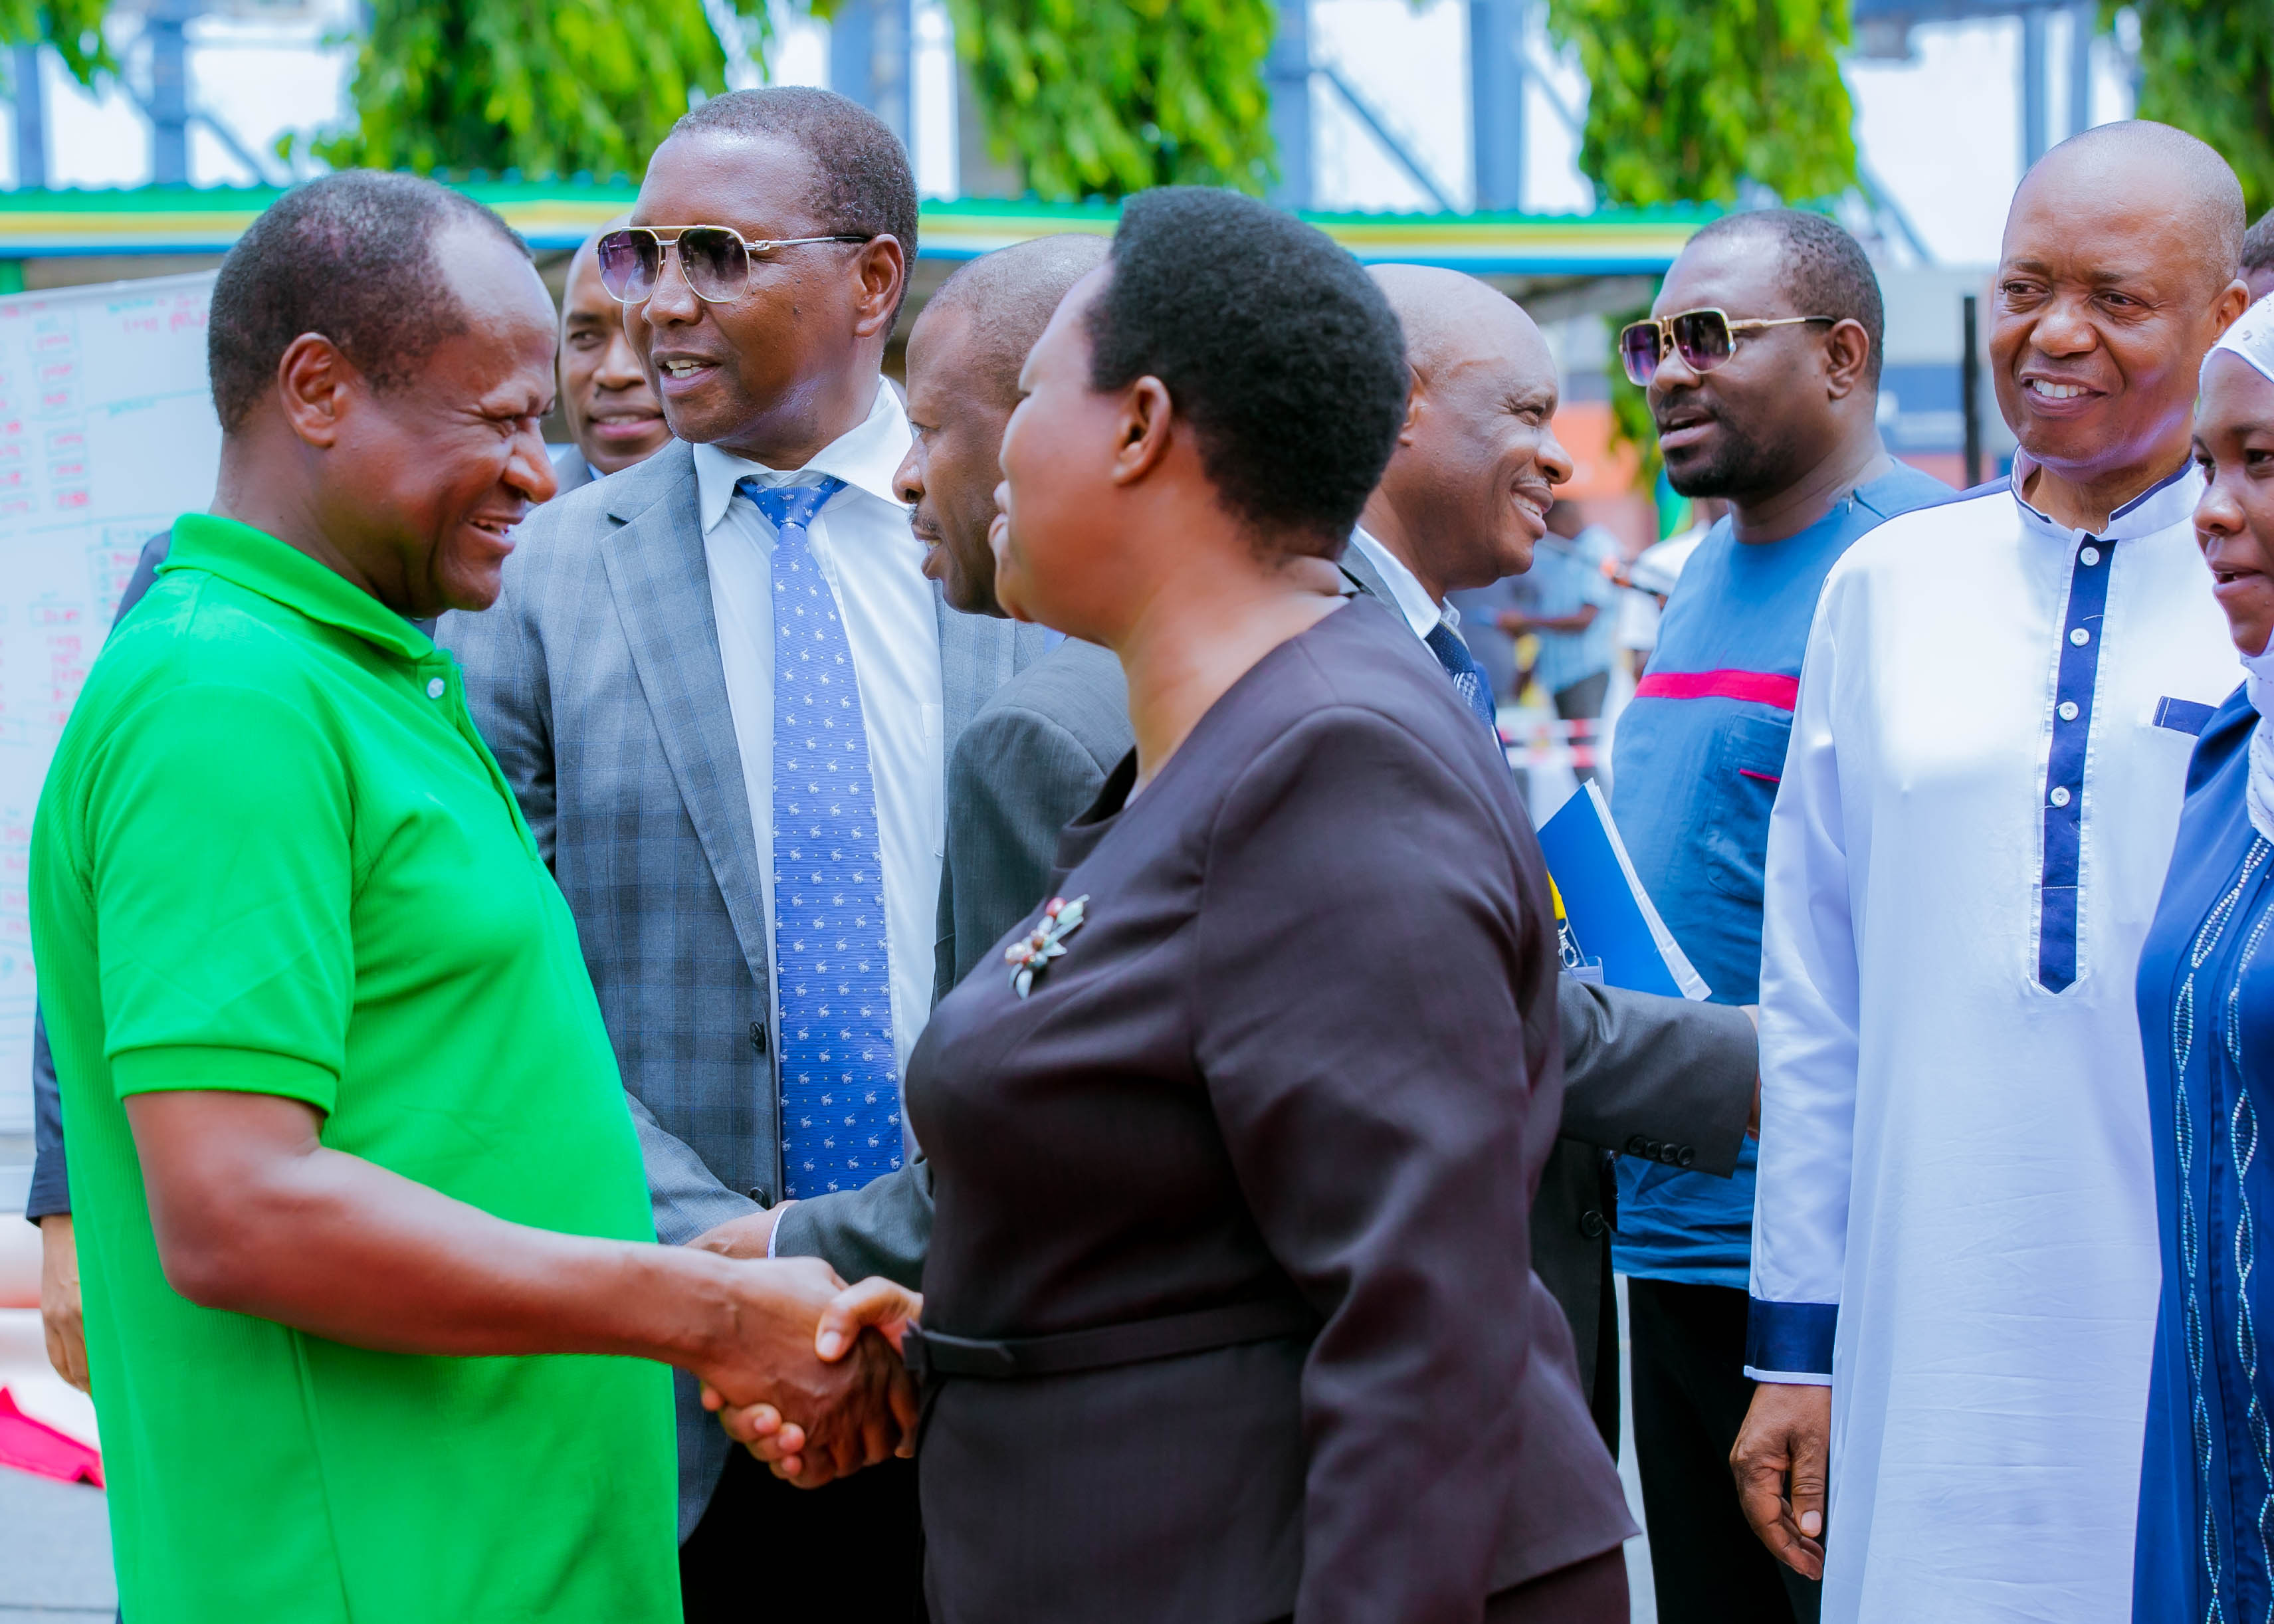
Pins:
<point x="832" y="969"/>
<point x="1468" y="677"/>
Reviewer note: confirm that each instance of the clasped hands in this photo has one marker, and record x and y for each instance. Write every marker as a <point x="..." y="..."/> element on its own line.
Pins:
<point x="815" y="1385"/>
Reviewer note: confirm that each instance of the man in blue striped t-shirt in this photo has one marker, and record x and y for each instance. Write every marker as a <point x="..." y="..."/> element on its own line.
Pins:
<point x="1762" y="363"/>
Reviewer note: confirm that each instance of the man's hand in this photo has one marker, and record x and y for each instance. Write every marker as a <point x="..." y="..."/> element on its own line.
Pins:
<point x="59" y="1308"/>
<point x="872" y="1316"/>
<point x="747" y="1236"/>
<point x="1780" y="1464"/>
<point x="788" y="1385"/>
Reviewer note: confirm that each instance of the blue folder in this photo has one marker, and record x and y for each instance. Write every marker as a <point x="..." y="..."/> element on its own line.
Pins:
<point x="1607" y="917"/>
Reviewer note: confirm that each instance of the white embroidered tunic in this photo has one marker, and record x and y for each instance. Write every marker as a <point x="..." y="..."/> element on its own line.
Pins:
<point x="1955" y="1222"/>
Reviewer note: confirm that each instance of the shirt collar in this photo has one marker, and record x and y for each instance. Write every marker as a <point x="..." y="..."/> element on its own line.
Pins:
<point x="1422" y="611"/>
<point x="259" y="562"/>
<point x="865" y="458"/>
<point x="2171" y="501"/>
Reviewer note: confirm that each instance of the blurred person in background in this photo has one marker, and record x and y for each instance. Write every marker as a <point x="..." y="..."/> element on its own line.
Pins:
<point x="1572" y="613"/>
<point x="2258" y="257"/>
<point x="1761" y="358"/>
<point x="610" y="408"/>
<point x="2206" y="996"/>
<point x="1955" y="1269"/>
<point x="1649" y="581"/>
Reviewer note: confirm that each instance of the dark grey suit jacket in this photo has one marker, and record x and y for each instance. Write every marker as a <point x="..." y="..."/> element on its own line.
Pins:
<point x="1645" y="1075"/>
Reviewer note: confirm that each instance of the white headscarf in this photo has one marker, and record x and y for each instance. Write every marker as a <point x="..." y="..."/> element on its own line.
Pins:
<point x="2252" y="338"/>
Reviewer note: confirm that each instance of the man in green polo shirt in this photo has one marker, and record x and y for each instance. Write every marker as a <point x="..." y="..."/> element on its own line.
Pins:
<point x="339" y="1099"/>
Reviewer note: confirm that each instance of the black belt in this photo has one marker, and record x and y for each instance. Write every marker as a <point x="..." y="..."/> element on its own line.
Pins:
<point x="934" y="1353"/>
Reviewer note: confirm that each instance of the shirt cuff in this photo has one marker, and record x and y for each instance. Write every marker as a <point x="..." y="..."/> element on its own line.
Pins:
<point x="774" y="1234"/>
<point x="1790" y="1341"/>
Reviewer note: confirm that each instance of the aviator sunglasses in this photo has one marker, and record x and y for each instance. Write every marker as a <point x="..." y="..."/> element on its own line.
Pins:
<point x="715" y="260"/>
<point x="1706" y="338"/>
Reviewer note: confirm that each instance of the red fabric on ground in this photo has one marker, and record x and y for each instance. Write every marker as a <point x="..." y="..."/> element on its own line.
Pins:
<point x="35" y="1446"/>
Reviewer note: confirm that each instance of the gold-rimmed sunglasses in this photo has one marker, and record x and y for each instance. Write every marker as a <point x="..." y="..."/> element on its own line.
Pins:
<point x="1704" y="338"/>
<point x="715" y="260"/>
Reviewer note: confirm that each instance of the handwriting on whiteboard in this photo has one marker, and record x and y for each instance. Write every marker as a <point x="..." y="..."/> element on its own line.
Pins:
<point x="107" y="434"/>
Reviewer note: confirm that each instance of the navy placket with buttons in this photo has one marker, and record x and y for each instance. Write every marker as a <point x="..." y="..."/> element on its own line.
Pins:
<point x="2064" y="808"/>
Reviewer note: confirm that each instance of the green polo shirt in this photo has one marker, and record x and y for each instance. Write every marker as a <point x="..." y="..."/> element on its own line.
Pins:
<point x="272" y="854"/>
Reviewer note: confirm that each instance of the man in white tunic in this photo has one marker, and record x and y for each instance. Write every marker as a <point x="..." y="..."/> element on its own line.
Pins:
<point x="1955" y="1252"/>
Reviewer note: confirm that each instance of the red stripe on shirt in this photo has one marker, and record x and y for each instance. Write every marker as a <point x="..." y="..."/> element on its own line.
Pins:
<point x="1761" y="687"/>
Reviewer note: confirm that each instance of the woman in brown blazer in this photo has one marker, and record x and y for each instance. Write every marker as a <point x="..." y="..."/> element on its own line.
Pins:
<point x="1229" y="1315"/>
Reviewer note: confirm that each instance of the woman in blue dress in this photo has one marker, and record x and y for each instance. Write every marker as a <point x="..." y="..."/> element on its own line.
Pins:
<point x="2207" y="1020"/>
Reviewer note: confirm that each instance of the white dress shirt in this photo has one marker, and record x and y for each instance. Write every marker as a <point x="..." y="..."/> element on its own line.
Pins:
<point x="1976" y="811"/>
<point x="874" y="566"/>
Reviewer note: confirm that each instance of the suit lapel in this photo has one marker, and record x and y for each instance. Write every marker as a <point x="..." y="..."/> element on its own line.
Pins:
<point x="978" y="655"/>
<point x="1361" y="571"/>
<point x="661" y="583"/>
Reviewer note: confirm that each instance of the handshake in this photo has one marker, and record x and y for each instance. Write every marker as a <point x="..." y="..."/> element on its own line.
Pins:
<point x="811" y="1381"/>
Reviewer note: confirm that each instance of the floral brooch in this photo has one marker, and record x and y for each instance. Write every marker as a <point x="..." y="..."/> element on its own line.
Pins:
<point x="1029" y="953"/>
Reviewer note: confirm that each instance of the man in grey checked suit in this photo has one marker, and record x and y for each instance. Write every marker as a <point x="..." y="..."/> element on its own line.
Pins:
<point x="626" y="682"/>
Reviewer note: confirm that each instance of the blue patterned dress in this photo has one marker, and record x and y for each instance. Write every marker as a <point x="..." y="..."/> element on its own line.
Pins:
<point x="2207" y="1021"/>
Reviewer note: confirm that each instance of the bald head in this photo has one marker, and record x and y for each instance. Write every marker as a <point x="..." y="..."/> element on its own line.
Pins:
<point x="2116" y="275"/>
<point x="1468" y="489"/>
<point x="964" y="356"/>
<point x="1449" y="317"/>
<point x="2138" y="158"/>
<point x="1005" y="299"/>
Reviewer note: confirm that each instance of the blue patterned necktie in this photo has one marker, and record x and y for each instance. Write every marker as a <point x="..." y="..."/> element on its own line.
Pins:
<point x="1468" y="676"/>
<point x="832" y="970"/>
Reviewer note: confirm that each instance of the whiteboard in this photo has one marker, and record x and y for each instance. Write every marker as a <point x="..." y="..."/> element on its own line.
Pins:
<point x="106" y="435"/>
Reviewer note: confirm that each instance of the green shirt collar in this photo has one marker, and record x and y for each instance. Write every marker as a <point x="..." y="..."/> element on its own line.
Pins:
<point x="258" y="561"/>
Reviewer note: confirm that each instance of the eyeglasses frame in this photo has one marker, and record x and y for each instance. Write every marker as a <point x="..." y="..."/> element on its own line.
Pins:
<point x="1664" y="326"/>
<point x="668" y="249"/>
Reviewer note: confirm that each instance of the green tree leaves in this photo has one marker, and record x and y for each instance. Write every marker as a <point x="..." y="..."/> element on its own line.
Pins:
<point x="1099" y="98"/>
<point x="1689" y="102"/>
<point x="2208" y="67"/>
<point x="74" y="27"/>
<point x="546" y="87"/>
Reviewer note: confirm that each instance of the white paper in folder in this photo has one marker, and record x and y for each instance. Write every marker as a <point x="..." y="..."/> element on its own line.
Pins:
<point x="107" y="434"/>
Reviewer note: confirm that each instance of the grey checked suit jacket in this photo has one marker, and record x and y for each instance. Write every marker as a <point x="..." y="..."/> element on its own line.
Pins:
<point x="595" y="679"/>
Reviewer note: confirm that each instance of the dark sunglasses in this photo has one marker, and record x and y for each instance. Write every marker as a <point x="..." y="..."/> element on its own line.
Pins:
<point x="1705" y="338"/>
<point x="715" y="260"/>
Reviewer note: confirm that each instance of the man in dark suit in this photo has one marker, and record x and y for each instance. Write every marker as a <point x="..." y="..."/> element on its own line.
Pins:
<point x="1660" y="1078"/>
<point x="1049" y="737"/>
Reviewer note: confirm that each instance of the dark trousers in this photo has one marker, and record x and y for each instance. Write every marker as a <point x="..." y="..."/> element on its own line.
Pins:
<point x="1691" y="1392"/>
<point x="853" y="1551"/>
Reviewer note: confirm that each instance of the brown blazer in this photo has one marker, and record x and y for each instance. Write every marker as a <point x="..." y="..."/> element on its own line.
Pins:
<point x="1303" y="1048"/>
